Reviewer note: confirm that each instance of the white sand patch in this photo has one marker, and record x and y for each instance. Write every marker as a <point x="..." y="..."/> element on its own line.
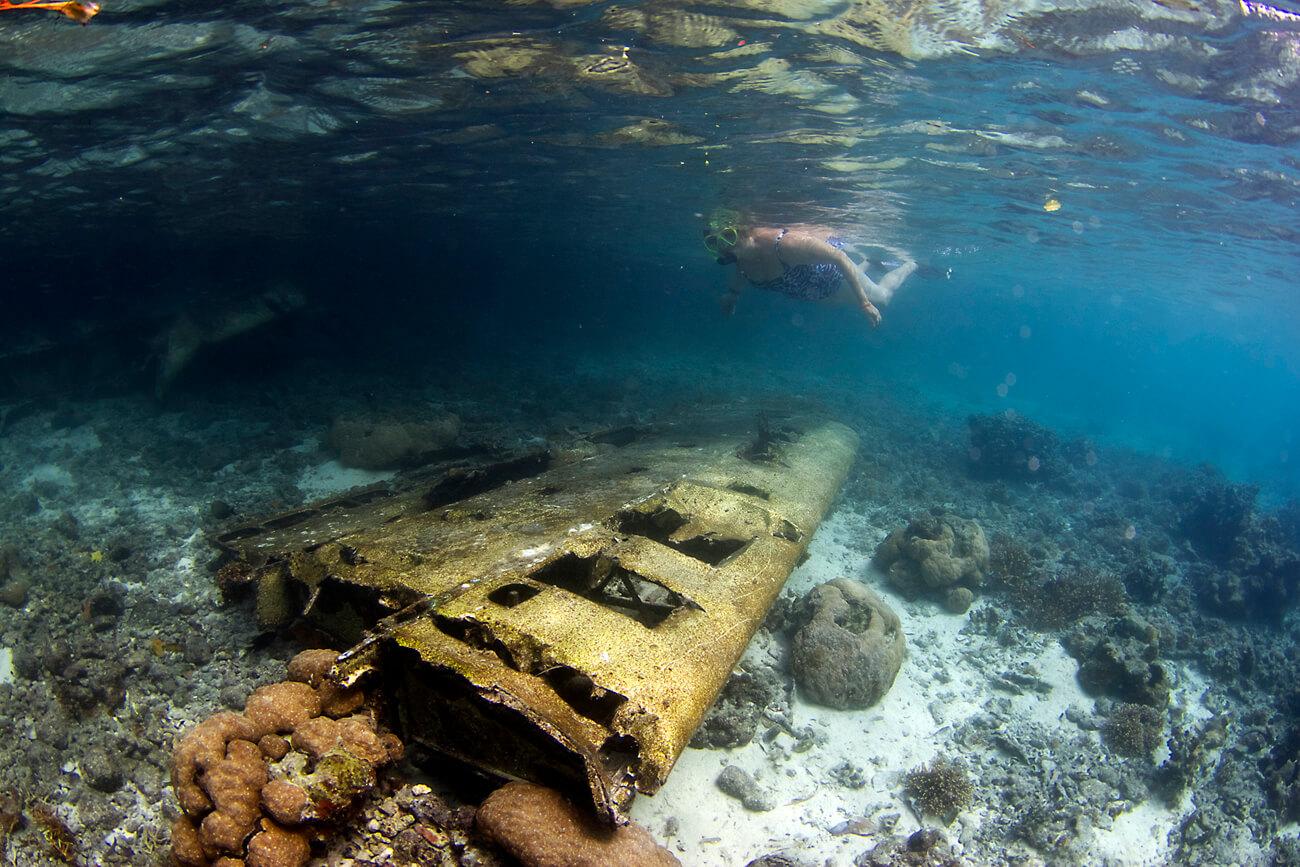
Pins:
<point x="1190" y="694"/>
<point x="52" y="473"/>
<point x="6" y="665"/>
<point x="1053" y="665"/>
<point x="159" y="505"/>
<point x="1138" y="837"/>
<point x="77" y="440"/>
<point x="307" y="446"/>
<point x="332" y="477"/>
<point x="940" y="685"/>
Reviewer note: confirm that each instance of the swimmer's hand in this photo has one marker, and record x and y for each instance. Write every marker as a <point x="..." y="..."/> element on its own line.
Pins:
<point x="728" y="303"/>
<point x="870" y="311"/>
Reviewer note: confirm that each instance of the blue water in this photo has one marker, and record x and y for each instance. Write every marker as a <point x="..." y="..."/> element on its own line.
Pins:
<point x="1155" y="308"/>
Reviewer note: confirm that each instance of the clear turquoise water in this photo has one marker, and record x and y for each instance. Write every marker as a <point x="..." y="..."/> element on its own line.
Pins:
<point x="458" y="177"/>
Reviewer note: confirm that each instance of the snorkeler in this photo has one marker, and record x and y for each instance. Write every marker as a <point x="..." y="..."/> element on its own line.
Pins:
<point x="80" y="11"/>
<point x="808" y="264"/>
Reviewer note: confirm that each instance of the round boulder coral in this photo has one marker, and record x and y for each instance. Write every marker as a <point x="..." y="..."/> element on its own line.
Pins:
<point x="541" y="828"/>
<point x="933" y="554"/>
<point x="849" y="650"/>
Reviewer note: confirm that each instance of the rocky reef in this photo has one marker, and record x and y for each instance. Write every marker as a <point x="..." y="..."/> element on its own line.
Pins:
<point x="1011" y="446"/>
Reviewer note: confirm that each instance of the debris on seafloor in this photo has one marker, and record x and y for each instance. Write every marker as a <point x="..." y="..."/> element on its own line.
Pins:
<point x="199" y="331"/>
<point x="565" y="616"/>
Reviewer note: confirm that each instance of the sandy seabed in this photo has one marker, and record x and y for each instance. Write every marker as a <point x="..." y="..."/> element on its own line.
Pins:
<point x="943" y="681"/>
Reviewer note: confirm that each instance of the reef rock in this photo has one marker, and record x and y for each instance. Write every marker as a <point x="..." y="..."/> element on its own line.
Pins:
<point x="1120" y="658"/>
<point x="933" y="554"/>
<point x="1004" y="446"/>
<point x="389" y="443"/>
<point x="744" y="787"/>
<point x="1216" y="516"/>
<point x="1261" y="582"/>
<point x="849" y="650"/>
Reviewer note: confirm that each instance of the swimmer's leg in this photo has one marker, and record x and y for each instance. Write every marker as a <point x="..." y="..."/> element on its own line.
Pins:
<point x="884" y="289"/>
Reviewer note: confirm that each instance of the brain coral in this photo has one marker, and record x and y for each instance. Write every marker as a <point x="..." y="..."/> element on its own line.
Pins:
<point x="254" y="786"/>
<point x="848" y="652"/>
<point x="934" y="553"/>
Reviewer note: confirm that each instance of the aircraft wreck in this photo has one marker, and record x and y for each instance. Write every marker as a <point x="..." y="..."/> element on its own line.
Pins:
<point x="565" y="615"/>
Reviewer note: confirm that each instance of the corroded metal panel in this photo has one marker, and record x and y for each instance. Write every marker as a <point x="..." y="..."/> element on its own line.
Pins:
<point x="565" y="616"/>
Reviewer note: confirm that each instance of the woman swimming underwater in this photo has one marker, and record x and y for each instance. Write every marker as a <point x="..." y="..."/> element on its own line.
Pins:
<point x="807" y="263"/>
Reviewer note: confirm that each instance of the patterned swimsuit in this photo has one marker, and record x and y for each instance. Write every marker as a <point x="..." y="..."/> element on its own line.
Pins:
<point x="812" y="282"/>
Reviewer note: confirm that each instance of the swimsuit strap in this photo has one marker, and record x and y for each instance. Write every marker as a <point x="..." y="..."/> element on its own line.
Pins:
<point x="777" y="248"/>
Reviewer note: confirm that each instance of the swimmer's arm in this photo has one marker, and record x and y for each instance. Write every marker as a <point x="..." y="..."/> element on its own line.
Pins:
<point x="806" y="250"/>
<point x="734" y="285"/>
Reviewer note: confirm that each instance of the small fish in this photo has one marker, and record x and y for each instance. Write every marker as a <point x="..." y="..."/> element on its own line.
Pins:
<point x="861" y="826"/>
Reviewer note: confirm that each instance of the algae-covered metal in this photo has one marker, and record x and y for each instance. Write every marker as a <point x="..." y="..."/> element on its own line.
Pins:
<point x="564" y="616"/>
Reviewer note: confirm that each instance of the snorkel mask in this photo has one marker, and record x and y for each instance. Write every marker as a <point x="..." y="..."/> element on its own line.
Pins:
<point x="720" y="242"/>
